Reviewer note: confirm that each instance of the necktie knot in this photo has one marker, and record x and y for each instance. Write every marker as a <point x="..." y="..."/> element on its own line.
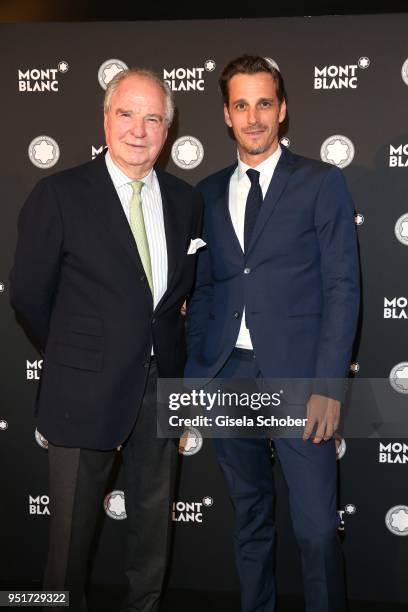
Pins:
<point x="253" y="176"/>
<point x="137" y="187"/>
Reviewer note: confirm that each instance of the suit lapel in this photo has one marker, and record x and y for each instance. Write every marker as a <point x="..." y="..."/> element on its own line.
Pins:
<point x="108" y="208"/>
<point x="223" y="216"/>
<point x="277" y="185"/>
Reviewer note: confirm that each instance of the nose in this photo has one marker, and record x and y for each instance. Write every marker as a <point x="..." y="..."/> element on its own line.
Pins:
<point x="138" y="128"/>
<point x="252" y="115"/>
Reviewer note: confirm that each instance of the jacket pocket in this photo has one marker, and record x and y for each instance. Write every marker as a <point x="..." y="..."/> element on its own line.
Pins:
<point x="74" y="357"/>
<point x="90" y="326"/>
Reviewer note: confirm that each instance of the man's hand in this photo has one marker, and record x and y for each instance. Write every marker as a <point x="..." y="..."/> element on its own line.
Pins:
<point x="323" y="413"/>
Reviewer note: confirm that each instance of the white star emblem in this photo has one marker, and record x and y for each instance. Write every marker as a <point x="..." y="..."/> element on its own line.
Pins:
<point x="399" y="520"/>
<point x="364" y="62"/>
<point x="117" y="505"/>
<point x="337" y="151"/>
<point x="44" y="152"/>
<point x="208" y="501"/>
<point x="187" y="152"/>
<point x="1" y="287"/>
<point x="110" y="72"/>
<point x="3" y="425"/>
<point x="359" y="219"/>
<point x="63" y="66"/>
<point x="350" y="508"/>
<point x="209" y="65"/>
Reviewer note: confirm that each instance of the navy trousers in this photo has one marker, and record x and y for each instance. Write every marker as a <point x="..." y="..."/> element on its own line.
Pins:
<point x="311" y="474"/>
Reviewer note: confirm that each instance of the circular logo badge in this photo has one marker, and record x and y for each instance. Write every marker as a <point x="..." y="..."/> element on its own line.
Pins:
<point x="272" y="62"/>
<point x="350" y="509"/>
<point x="63" y="66"/>
<point x="364" y="62"/>
<point x="401" y="229"/>
<point x="340" y="446"/>
<point x="208" y="501"/>
<point x="359" y="219"/>
<point x="41" y="441"/>
<point x="114" y="505"/>
<point x="404" y="72"/>
<point x="43" y="152"/>
<point x="209" y="65"/>
<point x="399" y="377"/>
<point x="108" y="70"/>
<point x="285" y="141"/>
<point x="337" y="150"/>
<point x="191" y="441"/>
<point x="187" y="152"/>
<point x="3" y="425"/>
<point x="396" y="520"/>
<point x="2" y="287"/>
<point x="354" y="367"/>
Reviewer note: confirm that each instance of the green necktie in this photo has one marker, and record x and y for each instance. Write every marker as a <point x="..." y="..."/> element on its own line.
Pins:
<point x="137" y="226"/>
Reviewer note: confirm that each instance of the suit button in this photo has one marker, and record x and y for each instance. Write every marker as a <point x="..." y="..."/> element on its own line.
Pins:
<point x="142" y="278"/>
<point x="153" y="321"/>
<point x="247" y="270"/>
<point x="236" y="315"/>
<point x="146" y="364"/>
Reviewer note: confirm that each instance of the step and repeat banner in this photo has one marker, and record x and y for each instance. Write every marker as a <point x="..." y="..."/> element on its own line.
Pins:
<point x="347" y="82"/>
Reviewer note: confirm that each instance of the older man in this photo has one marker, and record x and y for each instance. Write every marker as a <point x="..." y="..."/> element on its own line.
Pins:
<point x="101" y="271"/>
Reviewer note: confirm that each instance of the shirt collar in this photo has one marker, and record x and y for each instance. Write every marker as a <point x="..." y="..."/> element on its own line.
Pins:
<point x="119" y="178"/>
<point x="266" y="168"/>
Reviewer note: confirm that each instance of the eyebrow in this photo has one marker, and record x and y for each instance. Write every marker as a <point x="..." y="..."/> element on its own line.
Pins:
<point x="243" y="100"/>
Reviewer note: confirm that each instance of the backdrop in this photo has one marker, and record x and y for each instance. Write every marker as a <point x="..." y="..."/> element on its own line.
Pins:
<point x="347" y="81"/>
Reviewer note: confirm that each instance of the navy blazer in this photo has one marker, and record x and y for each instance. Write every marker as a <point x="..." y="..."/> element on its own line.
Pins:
<point x="79" y="287"/>
<point x="298" y="280"/>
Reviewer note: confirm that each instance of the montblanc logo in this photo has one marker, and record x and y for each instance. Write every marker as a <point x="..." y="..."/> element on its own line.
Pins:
<point x="339" y="77"/>
<point x="394" y="452"/>
<point x="399" y="377"/>
<point x="396" y="520"/>
<point x="349" y="509"/>
<point x="191" y="441"/>
<point x="354" y="367"/>
<point x="398" y="156"/>
<point x="401" y="229"/>
<point x="108" y="70"/>
<point x="188" y="79"/>
<point x="337" y="150"/>
<point x="359" y="219"/>
<point x="395" y="308"/>
<point x="285" y="141"/>
<point x="3" y="425"/>
<point x="41" y="441"/>
<point x="190" y="512"/>
<point x="43" y="152"/>
<point x="41" y="79"/>
<point x="39" y="505"/>
<point x="341" y="446"/>
<point x="97" y="151"/>
<point x="404" y="72"/>
<point x="114" y="505"/>
<point x="2" y="287"/>
<point x="187" y="152"/>
<point x="34" y="369"/>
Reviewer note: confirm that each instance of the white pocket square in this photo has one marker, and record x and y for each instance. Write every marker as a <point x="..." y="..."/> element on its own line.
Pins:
<point x="195" y="244"/>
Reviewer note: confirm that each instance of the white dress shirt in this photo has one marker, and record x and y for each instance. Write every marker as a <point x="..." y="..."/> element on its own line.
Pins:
<point x="153" y="219"/>
<point x="238" y="193"/>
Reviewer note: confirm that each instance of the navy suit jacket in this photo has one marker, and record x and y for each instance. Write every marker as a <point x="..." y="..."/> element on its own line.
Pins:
<point x="298" y="280"/>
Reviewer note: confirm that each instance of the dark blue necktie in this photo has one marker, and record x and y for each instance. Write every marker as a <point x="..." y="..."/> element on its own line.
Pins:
<point x="253" y="205"/>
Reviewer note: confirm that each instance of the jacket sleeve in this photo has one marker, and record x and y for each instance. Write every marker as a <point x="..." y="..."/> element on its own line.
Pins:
<point x="336" y="234"/>
<point x="200" y="304"/>
<point x="35" y="273"/>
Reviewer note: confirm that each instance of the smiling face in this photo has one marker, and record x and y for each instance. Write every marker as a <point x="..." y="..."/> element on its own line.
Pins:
<point x="254" y="114"/>
<point x="135" y="125"/>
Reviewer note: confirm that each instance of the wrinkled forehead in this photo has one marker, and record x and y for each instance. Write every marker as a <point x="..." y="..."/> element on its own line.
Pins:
<point x="138" y="91"/>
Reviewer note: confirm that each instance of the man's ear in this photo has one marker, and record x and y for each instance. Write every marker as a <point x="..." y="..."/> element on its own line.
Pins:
<point x="282" y="111"/>
<point x="226" y="116"/>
